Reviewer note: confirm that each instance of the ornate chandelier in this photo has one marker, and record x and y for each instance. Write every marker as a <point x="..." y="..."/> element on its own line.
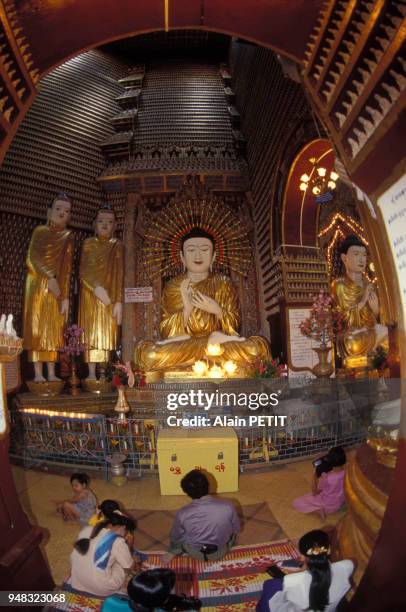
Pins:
<point x="320" y="181"/>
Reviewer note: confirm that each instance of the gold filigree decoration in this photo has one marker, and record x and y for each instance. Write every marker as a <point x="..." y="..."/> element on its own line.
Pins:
<point x="193" y="206"/>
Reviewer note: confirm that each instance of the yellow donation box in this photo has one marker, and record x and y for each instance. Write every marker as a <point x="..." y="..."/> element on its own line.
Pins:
<point x="213" y="450"/>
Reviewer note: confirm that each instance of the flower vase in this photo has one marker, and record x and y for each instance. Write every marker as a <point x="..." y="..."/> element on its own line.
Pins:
<point x="74" y="381"/>
<point x="121" y="406"/>
<point x="324" y="368"/>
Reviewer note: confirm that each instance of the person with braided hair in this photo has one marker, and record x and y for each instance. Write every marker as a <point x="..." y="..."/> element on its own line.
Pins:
<point x="319" y="588"/>
<point x="102" y="558"/>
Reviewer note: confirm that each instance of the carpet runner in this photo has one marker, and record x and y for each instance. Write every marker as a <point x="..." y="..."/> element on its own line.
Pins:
<point x="233" y="584"/>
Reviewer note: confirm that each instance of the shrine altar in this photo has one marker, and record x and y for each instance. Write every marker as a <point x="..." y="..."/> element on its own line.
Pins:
<point x="84" y="431"/>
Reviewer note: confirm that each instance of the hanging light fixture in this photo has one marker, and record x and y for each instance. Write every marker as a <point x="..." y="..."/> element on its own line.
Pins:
<point x="320" y="181"/>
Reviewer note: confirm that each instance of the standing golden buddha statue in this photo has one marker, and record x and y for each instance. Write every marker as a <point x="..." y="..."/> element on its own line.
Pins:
<point x="46" y="300"/>
<point x="101" y="290"/>
<point x="198" y="308"/>
<point x="355" y="296"/>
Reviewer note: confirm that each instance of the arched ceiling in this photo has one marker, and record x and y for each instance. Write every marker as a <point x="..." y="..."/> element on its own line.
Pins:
<point x="58" y="29"/>
<point x="351" y="54"/>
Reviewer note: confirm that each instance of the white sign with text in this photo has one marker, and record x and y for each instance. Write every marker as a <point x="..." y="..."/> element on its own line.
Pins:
<point x="393" y="207"/>
<point x="138" y="294"/>
<point x="300" y="350"/>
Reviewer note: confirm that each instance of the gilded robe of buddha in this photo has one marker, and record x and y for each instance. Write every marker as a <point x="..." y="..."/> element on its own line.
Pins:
<point x="360" y="337"/>
<point x="49" y="256"/>
<point x="101" y="265"/>
<point x="155" y="356"/>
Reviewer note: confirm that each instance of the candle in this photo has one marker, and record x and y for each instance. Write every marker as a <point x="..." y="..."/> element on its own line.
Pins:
<point x="215" y="372"/>
<point x="200" y="368"/>
<point x="230" y="367"/>
<point x="214" y="350"/>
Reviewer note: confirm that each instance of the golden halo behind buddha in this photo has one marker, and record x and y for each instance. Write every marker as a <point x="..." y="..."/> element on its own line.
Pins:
<point x="193" y="206"/>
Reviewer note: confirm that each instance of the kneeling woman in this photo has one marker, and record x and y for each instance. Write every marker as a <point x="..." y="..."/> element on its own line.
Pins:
<point x="321" y="587"/>
<point x="102" y="557"/>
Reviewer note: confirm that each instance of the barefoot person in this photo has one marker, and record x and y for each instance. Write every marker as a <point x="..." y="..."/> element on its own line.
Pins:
<point x="82" y="506"/>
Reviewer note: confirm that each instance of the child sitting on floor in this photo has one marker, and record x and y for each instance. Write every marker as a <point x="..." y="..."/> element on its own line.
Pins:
<point x="328" y="485"/>
<point x="82" y="505"/>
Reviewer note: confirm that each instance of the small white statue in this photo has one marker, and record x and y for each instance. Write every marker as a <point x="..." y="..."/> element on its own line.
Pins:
<point x="3" y="324"/>
<point x="10" y="331"/>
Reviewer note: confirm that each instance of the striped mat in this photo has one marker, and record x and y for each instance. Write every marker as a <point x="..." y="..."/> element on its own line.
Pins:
<point x="233" y="584"/>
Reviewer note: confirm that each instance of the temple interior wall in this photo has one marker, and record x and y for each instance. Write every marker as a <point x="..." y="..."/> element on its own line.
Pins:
<point x="55" y="150"/>
<point x="279" y="104"/>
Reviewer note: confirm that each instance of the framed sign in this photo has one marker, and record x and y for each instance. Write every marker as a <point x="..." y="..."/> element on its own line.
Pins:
<point x="393" y="207"/>
<point x="301" y="357"/>
<point x="137" y="294"/>
<point x="12" y="373"/>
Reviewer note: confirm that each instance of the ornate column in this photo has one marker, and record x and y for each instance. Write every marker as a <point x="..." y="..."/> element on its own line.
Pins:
<point x="128" y="327"/>
<point x="367" y="488"/>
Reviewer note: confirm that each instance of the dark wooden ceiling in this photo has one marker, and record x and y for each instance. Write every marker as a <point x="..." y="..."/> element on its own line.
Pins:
<point x="60" y="29"/>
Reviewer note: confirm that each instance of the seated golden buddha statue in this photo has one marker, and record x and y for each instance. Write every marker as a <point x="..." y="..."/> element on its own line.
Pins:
<point x="198" y="308"/>
<point x="355" y="296"/>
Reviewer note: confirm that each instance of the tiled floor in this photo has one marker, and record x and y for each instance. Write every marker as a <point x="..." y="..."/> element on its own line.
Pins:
<point x="277" y="487"/>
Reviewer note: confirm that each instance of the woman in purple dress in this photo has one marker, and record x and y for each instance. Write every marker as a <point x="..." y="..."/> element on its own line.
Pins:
<point x="328" y="485"/>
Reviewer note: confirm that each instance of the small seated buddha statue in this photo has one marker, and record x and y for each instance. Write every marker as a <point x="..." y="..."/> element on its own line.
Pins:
<point x="355" y="296"/>
<point x="198" y="308"/>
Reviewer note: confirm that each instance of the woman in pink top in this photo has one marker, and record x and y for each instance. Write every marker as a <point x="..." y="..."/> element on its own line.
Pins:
<point x="328" y="485"/>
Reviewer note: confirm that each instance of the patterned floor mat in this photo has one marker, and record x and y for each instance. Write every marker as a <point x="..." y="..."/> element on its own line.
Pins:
<point x="233" y="584"/>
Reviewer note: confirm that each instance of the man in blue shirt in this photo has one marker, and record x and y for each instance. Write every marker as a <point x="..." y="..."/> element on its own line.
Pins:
<point x="207" y="528"/>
